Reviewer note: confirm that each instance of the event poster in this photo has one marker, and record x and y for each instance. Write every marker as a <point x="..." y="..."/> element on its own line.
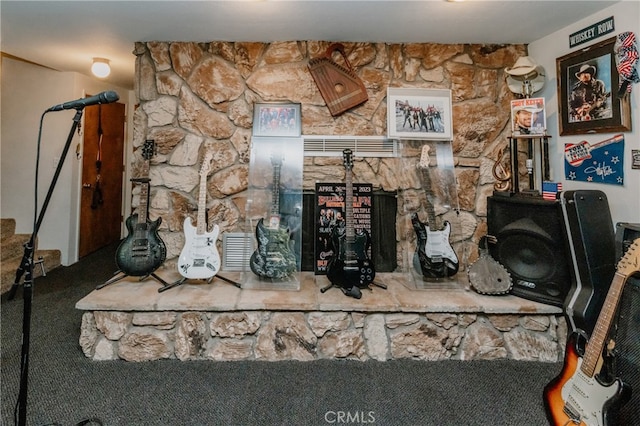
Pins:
<point x="330" y="211"/>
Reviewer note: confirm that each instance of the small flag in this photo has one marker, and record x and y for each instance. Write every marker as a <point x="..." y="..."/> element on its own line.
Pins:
<point x="550" y="190"/>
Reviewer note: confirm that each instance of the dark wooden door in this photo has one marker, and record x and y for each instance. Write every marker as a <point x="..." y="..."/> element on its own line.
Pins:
<point x="101" y="200"/>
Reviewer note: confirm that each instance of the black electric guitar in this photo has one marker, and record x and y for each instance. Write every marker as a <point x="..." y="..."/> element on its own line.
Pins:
<point x="434" y="256"/>
<point x="350" y="265"/>
<point x="273" y="258"/>
<point x="199" y="258"/>
<point x="142" y="251"/>
<point x="578" y="396"/>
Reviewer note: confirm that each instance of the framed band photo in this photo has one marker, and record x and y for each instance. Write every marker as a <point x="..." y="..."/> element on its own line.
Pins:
<point x="419" y="114"/>
<point x="276" y="119"/>
<point x="588" y="84"/>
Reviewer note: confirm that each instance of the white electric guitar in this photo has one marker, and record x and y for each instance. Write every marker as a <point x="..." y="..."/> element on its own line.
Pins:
<point x="199" y="258"/>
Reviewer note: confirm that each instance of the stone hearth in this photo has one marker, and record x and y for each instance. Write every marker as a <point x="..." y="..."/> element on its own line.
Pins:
<point x="131" y="320"/>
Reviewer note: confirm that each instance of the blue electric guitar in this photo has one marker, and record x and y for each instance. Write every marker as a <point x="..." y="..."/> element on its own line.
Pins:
<point x="199" y="258"/>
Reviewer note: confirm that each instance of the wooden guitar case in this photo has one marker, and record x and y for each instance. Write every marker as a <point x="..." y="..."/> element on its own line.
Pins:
<point x="339" y="86"/>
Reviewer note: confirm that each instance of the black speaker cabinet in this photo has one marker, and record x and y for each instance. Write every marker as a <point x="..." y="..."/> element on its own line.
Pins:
<point x="592" y="243"/>
<point x="626" y="335"/>
<point x="531" y="244"/>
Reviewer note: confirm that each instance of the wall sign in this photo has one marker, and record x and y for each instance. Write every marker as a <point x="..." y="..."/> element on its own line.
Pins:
<point x="592" y="32"/>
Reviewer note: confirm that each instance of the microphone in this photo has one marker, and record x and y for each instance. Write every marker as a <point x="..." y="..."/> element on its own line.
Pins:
<point x="101" y="98"/>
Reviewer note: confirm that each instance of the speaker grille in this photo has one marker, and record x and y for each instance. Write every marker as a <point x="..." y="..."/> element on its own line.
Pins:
<point x="531" y="244"/>
<point x="626" y="335"/>
<point x="236" y="249"/>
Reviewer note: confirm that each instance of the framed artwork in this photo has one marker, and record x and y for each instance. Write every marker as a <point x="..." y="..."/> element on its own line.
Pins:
<point x="276" y="119"/>
<point x="419" y="114"/>
<point x="588" y="100"/>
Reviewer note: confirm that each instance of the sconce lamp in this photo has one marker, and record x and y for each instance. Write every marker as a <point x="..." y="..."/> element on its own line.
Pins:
<point x="100" y="67"/>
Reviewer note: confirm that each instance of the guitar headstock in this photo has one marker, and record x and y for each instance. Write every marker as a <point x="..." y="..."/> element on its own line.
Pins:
<point x="206" y="164"/>
<point x="148" y="149"/>
<point x="630" y="262"/>
<point x="424" y="157"/>
<point x="347" y="155"/>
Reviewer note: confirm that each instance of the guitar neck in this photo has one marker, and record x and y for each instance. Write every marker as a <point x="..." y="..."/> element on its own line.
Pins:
<point x="143" y="207"/>
<point x="596" y="344"/>
<point x="275" y="200"/>
<point x="348" y="208"/>
<point x="426" y="186"/>
<point x="201" y="228"/>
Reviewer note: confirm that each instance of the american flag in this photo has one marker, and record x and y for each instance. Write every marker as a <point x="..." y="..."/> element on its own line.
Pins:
<point x="550" y="190"/>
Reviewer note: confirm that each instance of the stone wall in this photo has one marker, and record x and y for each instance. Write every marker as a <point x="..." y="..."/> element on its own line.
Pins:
<point x="195" y="96"/>
<point x="306" y="336"/>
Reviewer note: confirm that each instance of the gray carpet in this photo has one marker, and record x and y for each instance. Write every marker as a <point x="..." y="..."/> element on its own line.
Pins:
<point x="65" y="387"/>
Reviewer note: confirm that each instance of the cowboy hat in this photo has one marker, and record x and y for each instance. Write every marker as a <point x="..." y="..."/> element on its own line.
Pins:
<point x="523" y="66"/>
<point x="528" y="108"/>
<point x="587" y="69"/>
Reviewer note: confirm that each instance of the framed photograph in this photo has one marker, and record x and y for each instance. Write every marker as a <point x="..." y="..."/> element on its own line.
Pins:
<point x="276" y="119"/>
<point x="588" y="100"/>
<point x="528" y="117"/>
<point x="419" y="114"/>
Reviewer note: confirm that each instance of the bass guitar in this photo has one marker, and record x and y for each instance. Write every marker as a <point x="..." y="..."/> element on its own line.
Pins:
<point x="273" y="257"/>
<point x="350" y="267"/>
<point x="434" y="257"/>
<point x="199" y="258"/>
<point x="578" y="395"/>
<point x="142" y="251"/>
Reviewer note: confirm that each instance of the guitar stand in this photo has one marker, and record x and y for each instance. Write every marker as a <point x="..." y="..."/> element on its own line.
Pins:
<point x="116" y="278"/>
<point x="167" y="286"/>
<point x="354" y="291"/>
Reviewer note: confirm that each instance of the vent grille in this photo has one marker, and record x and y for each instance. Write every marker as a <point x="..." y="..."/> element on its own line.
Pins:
<point x="362" y="146"/>
<point x="236" y="249"/>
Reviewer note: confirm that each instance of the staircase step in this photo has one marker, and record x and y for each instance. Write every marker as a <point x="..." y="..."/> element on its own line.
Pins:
<point x="13" y="246"/>
<point x="7" y="228"/>
<point x="10" y="266"/>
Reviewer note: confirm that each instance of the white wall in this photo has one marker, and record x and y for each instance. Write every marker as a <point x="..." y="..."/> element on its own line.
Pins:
<point x="624" y="201"/>
<point x="27" y="91"/>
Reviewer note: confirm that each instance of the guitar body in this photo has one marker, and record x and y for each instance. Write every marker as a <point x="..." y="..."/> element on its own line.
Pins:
<point x="199" y="258"/>
<point x="350" y="265"/>
<point x="434" y="256"/>
<point x="573" y="398"/>
<point x="142" y="251"/>
<point x="273" y="258"/>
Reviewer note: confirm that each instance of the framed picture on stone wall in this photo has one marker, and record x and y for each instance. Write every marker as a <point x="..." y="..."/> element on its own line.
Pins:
<point x="589" y="98"/>
<point x="276" y="119"/>
<point x="419" y="114"/>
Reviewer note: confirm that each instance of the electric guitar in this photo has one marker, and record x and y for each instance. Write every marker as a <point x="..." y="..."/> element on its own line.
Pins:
<point x="142" y="251"/>
<point x="273" y="257"/>
<point x="578" y="396"/>
<point x="434" y="256"/>
<point x="199" y="258"/>
<point x="350" y="265"/>
<point x="575" y="154"/>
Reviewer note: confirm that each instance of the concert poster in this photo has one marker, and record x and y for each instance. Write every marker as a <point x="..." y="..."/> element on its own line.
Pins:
<point x="330" y="210"/>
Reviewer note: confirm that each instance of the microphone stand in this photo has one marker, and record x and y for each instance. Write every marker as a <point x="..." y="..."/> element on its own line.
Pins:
<point x="26" y="265"/>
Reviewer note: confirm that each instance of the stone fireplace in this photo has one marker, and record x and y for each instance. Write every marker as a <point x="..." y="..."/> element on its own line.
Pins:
<point x="196" y="96"/>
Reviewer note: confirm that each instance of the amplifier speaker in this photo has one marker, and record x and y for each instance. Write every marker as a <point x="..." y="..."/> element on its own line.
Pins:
<point x="626" y="335"/>
<point x="531" y="244"/>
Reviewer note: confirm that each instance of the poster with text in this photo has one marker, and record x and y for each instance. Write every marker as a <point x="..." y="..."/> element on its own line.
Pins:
<point x="601" y="162"/>
<point x="330" y="211"/>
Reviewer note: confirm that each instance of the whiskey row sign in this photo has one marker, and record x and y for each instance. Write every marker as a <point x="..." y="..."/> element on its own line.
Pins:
<point x="591" y="32"/>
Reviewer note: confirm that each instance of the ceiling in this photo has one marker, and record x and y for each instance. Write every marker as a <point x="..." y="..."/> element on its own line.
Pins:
<point x="66" y="35"/>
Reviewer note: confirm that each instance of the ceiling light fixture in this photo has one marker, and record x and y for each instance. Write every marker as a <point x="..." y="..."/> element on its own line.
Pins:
<point x="100" y="67"/>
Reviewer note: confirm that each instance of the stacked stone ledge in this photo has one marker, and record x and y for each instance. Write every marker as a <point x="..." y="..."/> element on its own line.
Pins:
<point x="307" y="336"/>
